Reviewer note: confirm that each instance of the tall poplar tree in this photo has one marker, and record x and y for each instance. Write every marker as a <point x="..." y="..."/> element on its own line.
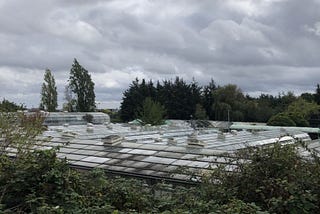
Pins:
<point x="49" y="93"/>
<point x="82" y="86"/>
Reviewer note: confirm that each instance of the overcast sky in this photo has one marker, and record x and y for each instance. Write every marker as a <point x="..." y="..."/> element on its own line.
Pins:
<point x="263" y="46"/>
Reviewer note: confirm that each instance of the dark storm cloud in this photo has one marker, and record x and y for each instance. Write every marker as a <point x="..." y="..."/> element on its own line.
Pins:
<point x="263" y="46"/>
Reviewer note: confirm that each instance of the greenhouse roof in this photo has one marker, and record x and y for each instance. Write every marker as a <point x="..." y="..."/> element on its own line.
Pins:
<point x="158" y="153"/>
<point x="75" y="118"/>
<point x="246" y="126"/>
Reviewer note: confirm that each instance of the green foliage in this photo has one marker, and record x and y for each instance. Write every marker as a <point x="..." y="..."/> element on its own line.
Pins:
<point x="83" y="87"/>
<point x="308" y="97"/>
<point x="317" y="95"/>
<point x="180" y="100"/>
<point x="208" y="98"/>
<point x="49" y="93"/>
<point x="301" y="111"/>
<point x="18" y="131"/>
<point x="298" y="119"/>
<point x="200" y="113"/>
<point x="7" y="106"/>
<point x="279" y="180"/>
<point x="297" y="114"/>
<point x="151" y="112"/>
<point x="281" y="119"/>
<point x="228" y="98"/>
<point x="133" y="98"/>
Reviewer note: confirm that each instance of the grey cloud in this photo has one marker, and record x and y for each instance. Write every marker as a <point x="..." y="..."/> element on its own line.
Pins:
<point x="262" y="46"/>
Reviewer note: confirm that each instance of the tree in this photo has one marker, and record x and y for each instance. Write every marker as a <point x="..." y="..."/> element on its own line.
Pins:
<point x="151" y="112"/>
<point x="307" y="97"/>
<point x="7" y="106"/>
<point x="208" y="98"/>
<point x="200" y="113"/>
<point x="133" y="98"/>
<point x="229" y="98"/>
<point x="179" y="98"/>
<point x="82" y="86"/>
<point x="303" y="107"/>
<point x="49" y="93"/>
<point x="317" y="95"/>
<point x="281" y="119"/>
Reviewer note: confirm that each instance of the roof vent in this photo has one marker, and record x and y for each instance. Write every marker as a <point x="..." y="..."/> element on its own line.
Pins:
<point x="109" y="126"/>
<point x="172" y="141"/>
<point x="255" y="132"/>
<point x="193" y="140"/>
<point x="89" y="127"/>
<point x="68" y="135"/>
<point x="147" y="127"/>
<point x="234" y="132"/>
<point x="112" y="140"/>
<point x="157" y="139"/>
<point x="221" y="136"/>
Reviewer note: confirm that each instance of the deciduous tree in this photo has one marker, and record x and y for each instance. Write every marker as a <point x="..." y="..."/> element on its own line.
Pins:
<point x="151" y="112"/>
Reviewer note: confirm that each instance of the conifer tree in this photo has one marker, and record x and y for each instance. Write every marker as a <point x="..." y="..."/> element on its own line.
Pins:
<point x="49" y="93"/>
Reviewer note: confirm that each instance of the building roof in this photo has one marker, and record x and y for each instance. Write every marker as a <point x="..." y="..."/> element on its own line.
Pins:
<point x="162" y="152"/>
<point x="248" y="126"/>
<point x="159" y="153"/>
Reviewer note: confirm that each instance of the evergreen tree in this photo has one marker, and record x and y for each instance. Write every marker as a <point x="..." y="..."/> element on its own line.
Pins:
<point x="195" y="95"/>
<point x="49" y="93"/>
<point x="178" y="99"/>
<point x="317" y="95"/>
<point x="134" y="97"/>
<point x="83" y="87"/>
<point x="208" y="98"/>
<point x="200" y="113"/>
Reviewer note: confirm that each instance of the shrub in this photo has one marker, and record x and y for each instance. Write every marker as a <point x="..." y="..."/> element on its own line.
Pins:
<point x="276" y="179"/>
<point x="151" y="112"/>
<point x="281" y="119"/>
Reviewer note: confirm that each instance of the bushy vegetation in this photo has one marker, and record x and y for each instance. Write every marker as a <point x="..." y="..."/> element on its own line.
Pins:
<point x="7" y="106"/>
<point x="184" y="101"/>
<point x="151" y="112"/>
<point x="273" y="179"/>
<point x="298" y="113"/>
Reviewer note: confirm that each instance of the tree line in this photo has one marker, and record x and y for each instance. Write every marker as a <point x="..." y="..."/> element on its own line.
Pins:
<point x="184" y="101"/>
<point x="177" y="99"/>
<point x="79" y="92"/>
